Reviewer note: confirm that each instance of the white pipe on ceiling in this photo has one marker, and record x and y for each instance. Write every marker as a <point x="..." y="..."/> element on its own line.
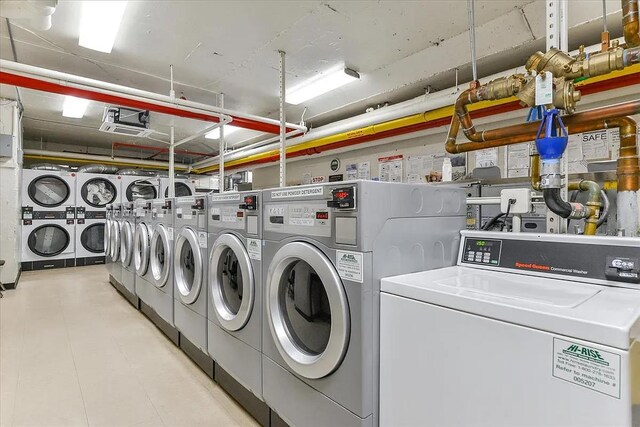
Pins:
<point x="98" y="158"/>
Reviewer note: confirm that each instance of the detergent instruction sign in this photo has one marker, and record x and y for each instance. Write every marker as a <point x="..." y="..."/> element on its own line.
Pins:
<point x="587" y="367"/>
<point x="350" y="265"/>
<point x="254" y="249"/>
<point x="297" y="192"/>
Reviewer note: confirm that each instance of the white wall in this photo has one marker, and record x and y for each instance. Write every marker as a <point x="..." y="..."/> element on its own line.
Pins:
<point x="10" y="180"/>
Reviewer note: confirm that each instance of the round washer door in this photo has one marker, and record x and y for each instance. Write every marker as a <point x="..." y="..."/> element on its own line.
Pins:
<point x="98" y="192"/>
<point x="307" y="310"/>
<point x="187" y="265"/>
<point x="160" y="254"/>
<point x="181" y="190"/>
<point x="141" y="248"/>
<point x="107" y="237"/>
<point x="126" y="243"/>
<point x="116" y="226"/>
<point x="49" y="191"/>
<point x="48" y="240"/>
<point x="141" y="189"/>
<point x="231" y="282"/>
<point x="92" y="238"/>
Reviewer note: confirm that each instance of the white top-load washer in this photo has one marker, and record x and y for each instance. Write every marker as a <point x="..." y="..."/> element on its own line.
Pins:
<point x="526" y="330"/>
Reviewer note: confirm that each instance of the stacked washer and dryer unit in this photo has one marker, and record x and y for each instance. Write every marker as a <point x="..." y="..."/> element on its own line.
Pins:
<point x="48" y="219"/>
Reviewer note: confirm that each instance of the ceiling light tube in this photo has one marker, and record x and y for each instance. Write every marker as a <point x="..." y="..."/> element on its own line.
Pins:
<point x="74" y="107"/>
<point x="215" y="134"/>
<point x="99" y="24"/>
<point x="319" y="85"/>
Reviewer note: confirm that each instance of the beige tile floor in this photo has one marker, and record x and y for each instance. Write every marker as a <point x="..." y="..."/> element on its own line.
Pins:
<point x="74" y="352"/>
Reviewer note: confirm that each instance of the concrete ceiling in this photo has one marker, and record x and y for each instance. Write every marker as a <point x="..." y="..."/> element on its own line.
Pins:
<point x="399" y="47"/>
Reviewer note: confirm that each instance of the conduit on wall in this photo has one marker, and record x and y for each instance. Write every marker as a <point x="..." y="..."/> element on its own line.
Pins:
<point x="418" y="122"/>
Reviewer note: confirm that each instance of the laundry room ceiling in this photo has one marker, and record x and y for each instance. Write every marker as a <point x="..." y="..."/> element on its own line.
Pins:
<point x="230" y="47"/>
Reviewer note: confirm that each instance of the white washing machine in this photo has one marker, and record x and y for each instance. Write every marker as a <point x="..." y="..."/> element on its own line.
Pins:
<point x="326" y="247"/>
<point x="235" y="297"/>
<point x="183" y="187"/>
<point x="153" y="250"/>
<point x="114" y="266"/>
<point x="127" y="232"/>
<point x="526" y="330"/>
<point x="47" y="191"/>
<point x="134" y="187"/>
<point x="190" y="278"/>
<point x="93" y="193"/>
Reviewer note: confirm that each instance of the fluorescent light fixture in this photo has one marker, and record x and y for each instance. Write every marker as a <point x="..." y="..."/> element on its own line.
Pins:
<point x="215" y="134"/>
<point x="325" y="82"/>
<point x="74" y="107"/>
<point x="99" y="24"/>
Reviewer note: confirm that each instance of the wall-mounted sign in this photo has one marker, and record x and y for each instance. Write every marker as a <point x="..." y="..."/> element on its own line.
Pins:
<point x="335" y="164"/>
<point x="334" y="178"/>
<point x="318" y="179"/>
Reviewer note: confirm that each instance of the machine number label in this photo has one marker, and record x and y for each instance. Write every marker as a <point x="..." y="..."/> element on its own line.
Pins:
<point x="170" y="232"/>
<point x="254" y="249"/>
<point x="297" y="192"/>
<point x="587" y="367"/>
<point x="350" y="265"/>
<point x="202" y="239"/>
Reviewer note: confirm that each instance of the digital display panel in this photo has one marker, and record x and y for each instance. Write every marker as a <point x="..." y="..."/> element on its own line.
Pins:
<point x="322" y="215"/>
<point x="341" y="195"/>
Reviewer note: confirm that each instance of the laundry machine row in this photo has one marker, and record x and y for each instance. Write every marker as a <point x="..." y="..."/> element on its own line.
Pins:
<point x="281" y="287"/>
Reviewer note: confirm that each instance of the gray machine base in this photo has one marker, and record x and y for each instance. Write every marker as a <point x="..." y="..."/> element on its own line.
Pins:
<point x="201" y="359"/>
<point x="133" y="300"/>
<point x="171" y="332"/>
<point x="276" y="421"/>
<point x="254" y="406"/>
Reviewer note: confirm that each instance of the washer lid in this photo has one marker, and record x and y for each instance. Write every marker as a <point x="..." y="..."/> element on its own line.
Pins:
<point x="600" y="314"/>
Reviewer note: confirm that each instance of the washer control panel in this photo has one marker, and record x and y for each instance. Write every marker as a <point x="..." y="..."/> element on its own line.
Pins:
<point x="482" y="251"/>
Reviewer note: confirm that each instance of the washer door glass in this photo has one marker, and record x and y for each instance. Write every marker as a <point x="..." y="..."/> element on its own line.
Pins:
<point x="141" y="248"/>
<point x="307" y="310"/>
<point x="160" y="253"/>
<point x="49" y="191"/>
<point x="98" y="192"/>
<point x="92" y="238"/>
<point x="141" y="189"/>
<point x="188" y="265"/>
<point x="126" y="243"/>
<point x="231" y="282"/>
<point x="48" y="240"/>
<point x="182" y="190"/>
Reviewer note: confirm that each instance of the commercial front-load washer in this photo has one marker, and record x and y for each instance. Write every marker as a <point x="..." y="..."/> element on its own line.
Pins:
<point x="235" y="297"/>
<point x="134" y="187"/>
<point x="153" y="251"/>
<point x="190" y="277"/>
<point x="183" y="187"/>
<point x="325" y="249"/>
<point x="47" y="190"/>
<point x="127" y="232"/>
<point x="94" y="192"/>
<point x="114" y="266"/>
<point x="526" y="330"/>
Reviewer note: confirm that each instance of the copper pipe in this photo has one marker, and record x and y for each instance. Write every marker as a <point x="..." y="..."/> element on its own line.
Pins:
<point x="534" y="171"/>
<point x="630" y="24"/>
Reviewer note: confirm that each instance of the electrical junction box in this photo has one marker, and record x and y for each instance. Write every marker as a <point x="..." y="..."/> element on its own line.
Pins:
<point x="522" y="197"/>
<point x="6" y="145"/>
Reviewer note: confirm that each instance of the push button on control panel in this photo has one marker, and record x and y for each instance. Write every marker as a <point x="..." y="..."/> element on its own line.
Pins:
<point x="623" y="269"/>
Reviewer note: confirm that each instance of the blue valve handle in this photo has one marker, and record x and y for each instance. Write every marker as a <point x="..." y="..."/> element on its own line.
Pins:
<point x="551" y="146"/>
<point x="535" y="114"/>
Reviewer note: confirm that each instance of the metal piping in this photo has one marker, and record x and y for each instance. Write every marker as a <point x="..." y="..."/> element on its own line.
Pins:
<point x="630" y="23"/>
<point x="37" y="78"/>
<point x="117" y="145"/>
<point x="57" y="156"/>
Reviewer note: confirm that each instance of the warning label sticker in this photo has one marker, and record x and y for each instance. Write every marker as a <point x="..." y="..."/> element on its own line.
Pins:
<point x="254" y="249"/>
<point x="350" y="265"/>
<point x="170" y="232"/>
<point x="588" y="367"/>
<point x="202" y="239"/>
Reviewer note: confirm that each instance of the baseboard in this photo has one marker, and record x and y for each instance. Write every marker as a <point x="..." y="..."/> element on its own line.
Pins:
<point x="254" y="406"/>
<point x="49" y="264"/>
<point x="94" y="260"/>
<point x="198" y="357"/>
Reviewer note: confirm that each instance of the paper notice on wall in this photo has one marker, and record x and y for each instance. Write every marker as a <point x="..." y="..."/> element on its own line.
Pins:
<point x="318" y="179"/>
<point x="518" y="173"/>
<point x="306" y="178"/>
<point x="487" y="158"/>
<point x="595" y="145"/>
<point x="352" y="171"/>
<point x="613" y="136"/>
<point x="575" y="156"/>
<point x="364" y="170"/>
<point x="390" y="168"/>
<point x="518" y="156"/>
